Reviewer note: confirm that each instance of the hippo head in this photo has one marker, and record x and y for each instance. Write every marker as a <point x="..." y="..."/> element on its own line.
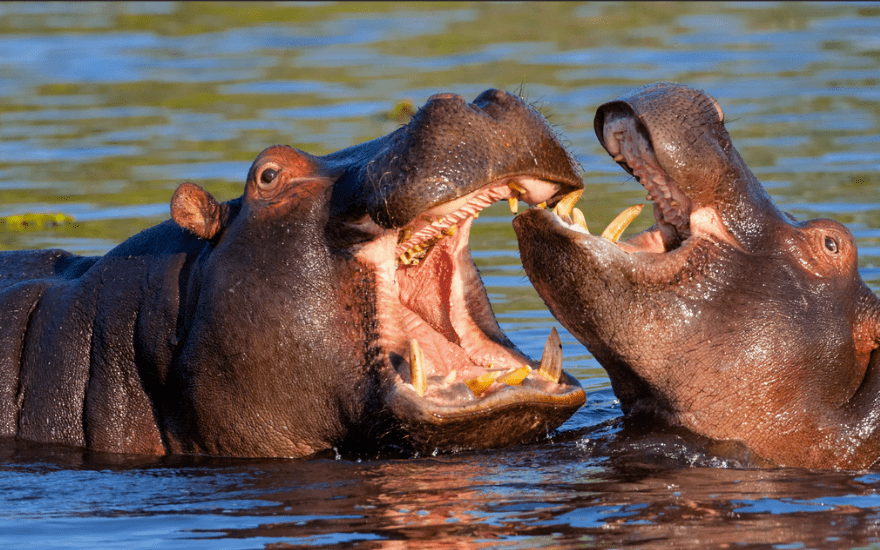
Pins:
<point x="339" y="300"/>
<point x="727" y="317"/>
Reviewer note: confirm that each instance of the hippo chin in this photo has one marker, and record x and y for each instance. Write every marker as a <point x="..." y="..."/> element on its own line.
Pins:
<point x="334" y="304"/>
<point x="727" y="317"/>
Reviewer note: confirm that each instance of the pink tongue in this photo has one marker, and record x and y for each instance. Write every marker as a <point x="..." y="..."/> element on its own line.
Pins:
<point x="440" y="355"/>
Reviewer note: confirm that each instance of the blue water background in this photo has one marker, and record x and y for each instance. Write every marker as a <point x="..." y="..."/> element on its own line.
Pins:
<point x="106" y="108"/>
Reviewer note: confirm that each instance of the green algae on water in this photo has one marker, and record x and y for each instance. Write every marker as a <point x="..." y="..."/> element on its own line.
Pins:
<point x="34" y="221"/>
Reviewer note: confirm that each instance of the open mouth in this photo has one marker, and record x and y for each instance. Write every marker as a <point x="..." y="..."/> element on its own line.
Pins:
<point x="632" y="150"/>
<point x="677" y="219"/>
<point x="456" y="350"/>
<point x="437" y="325"/>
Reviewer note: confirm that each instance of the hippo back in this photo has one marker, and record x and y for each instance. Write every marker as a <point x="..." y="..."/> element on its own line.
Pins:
<point x="69" y="321"/>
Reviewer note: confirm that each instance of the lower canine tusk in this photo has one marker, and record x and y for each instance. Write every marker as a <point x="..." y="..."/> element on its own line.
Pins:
<point x="577" y="217"/>
<point x="564" y="206"/>
<point x="417" y="368"/>
<point x="617" y="226"/>
<point x="551" y="359"/>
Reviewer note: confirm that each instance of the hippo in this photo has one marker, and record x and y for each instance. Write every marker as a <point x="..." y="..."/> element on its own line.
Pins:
<point x="334" y="305"/>
<point x="727" y="317"/>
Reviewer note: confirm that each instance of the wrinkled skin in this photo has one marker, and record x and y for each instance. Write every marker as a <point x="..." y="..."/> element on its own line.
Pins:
<point x="727" y="317"/>
<point x="279" y="323"/>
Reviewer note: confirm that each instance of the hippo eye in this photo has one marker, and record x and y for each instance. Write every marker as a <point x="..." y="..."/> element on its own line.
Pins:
<point x="268" y="175"/>
<point x="831" y="245"/>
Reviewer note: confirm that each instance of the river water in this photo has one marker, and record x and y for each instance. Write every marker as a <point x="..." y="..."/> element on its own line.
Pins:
<point x="106" y="108"/>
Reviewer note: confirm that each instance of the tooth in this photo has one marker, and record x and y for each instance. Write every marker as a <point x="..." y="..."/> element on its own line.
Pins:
<point x="619" y="158"/>
<point x="577" y="217"/>
<point x="450" y="231"/>
<point x="481" y="383"/>
<point x="417" y="368"/>
<point x="542" y="205"/>
<point x="516" y="187"/>
<point x="450" y="378"/>
<point x="567" y="203"/>
<point x="516" y="376"/>
<point x="514" y="204"/>
<point x="617" y="226"/>
<point x="551" y="359"/>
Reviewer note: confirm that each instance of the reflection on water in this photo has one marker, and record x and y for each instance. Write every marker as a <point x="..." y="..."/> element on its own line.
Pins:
<point x="556" y="496"/>
<point x="106" y="108"/>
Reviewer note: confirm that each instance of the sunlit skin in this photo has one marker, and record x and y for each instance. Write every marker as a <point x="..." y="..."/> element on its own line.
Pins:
<point x="333" y="305"/>
<point x="727" y="317"/>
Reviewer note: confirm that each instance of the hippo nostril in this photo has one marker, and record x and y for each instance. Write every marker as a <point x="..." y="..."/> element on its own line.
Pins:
<point x="491" y="95"/>
<point x="445" y="96"/>
<point x="495" y="103"/>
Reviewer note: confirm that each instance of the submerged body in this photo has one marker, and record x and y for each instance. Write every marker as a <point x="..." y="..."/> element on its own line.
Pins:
<point x="334" y="304"/>
<point x="727" y="317"/>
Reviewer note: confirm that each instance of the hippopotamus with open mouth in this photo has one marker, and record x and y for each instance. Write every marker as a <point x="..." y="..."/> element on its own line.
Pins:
<point x="334" y="304"/>
<point x="727" y="317"/>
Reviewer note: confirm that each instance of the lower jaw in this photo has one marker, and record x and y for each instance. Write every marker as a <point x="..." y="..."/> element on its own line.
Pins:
<point x="662" y="237"/>
<point x="450" y="413"/>
<point x="497" y="421"/>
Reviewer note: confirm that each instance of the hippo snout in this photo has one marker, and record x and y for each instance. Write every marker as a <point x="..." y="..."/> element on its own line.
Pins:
<point x="727" y="317"/>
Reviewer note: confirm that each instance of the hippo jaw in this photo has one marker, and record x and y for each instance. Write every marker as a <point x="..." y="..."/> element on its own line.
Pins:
<point x="726" y="317"/>
<point x="456" y="381"/>
<point x="452" y="378"/>
<point x="335" y="304"/>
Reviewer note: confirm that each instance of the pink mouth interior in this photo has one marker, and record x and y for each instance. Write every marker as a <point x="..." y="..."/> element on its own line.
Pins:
<point x="446" y="309"/>
<point x="439" y="299"/>
<point x="676" y="216"/>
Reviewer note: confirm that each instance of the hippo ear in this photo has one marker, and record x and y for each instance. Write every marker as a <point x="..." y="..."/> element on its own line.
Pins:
<point x="194" y="209"/>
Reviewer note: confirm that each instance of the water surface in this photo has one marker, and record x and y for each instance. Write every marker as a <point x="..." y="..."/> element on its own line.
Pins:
<point x="106" y="108"/>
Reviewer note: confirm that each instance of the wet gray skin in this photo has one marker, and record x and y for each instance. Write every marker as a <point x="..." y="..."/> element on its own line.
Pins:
<point x="727" y="317"/>
<point x="334" y="304"/>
